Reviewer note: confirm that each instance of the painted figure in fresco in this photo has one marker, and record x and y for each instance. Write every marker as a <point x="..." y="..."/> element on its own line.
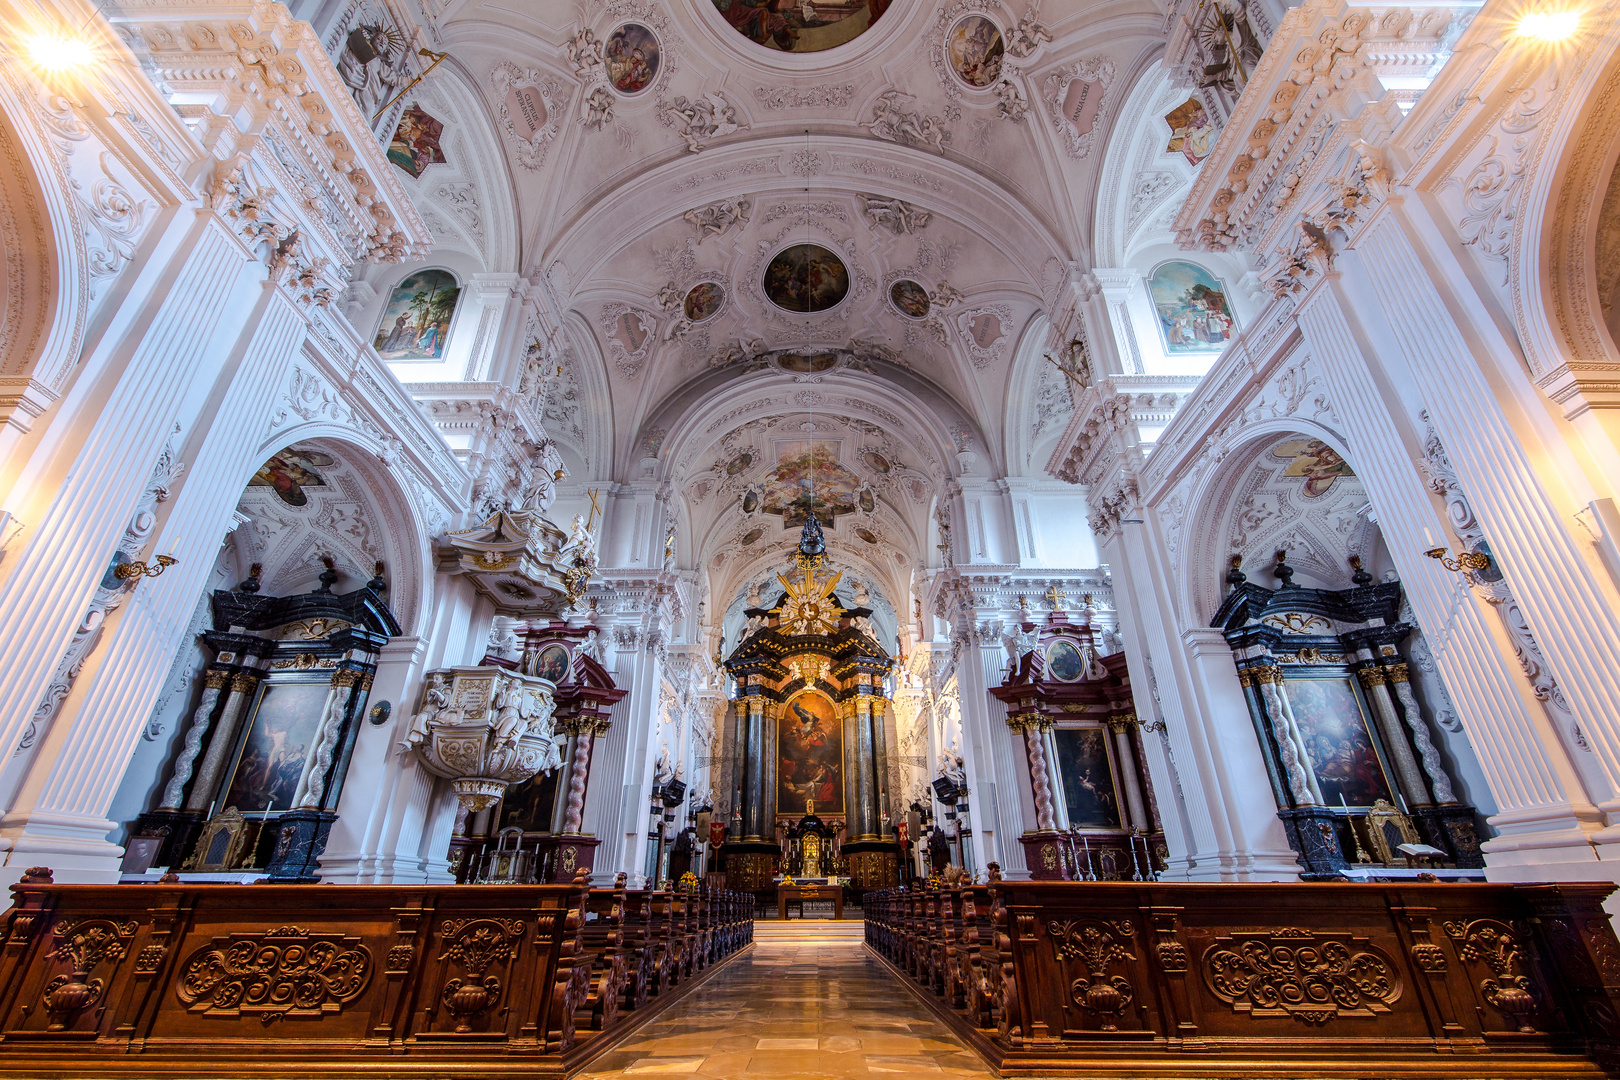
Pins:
<point x="801" y="25"/>
<point x="1316" y="461"/>
<point x="976" y="50"/>
<point x="290" y="472"/>
<point x="1191" y="133"/>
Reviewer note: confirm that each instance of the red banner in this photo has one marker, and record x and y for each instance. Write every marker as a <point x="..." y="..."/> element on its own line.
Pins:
<point x="717" y="833"/>
<point x="902" y="832"/>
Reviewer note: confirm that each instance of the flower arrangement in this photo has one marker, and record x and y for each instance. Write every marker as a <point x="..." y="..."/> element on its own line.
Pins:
<point x="689" y="880"/>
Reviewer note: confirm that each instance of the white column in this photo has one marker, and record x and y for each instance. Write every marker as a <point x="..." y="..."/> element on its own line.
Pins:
<point x="1002" y="804"/>
<point x="66" y="552"/>
<point x="382" y="815"/>
<point x="60" y="811"/>
<point x="1128" y="777"/>
<point x="1231" y="831"/>
<point x="1492" y="420"/>
<point x="1542" y="813"/>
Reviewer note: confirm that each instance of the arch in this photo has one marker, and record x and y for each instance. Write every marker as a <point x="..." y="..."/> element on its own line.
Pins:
<point x="403" y="545"/>
<point x="1554" y="274"/>
<point x="1204" y="563"/>
<point x="46" y="299"/>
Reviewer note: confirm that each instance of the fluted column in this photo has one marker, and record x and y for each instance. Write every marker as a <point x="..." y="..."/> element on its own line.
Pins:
<point x="1125" y="753"/>
<point x="220" y="746"/>
<point x="174" y="792"/>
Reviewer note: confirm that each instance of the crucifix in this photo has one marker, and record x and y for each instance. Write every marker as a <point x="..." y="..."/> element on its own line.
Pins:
<point x="1056" y="597"/>
<point x="595" y="509"/>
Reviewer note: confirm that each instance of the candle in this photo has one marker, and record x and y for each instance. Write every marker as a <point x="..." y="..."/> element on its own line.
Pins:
<point x="1428" y="536"/>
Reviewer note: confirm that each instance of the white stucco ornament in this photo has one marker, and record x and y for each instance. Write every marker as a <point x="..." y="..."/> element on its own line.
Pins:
<point x="484" y="728"/>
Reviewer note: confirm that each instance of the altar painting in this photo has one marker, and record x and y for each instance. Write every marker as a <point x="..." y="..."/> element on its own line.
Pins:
<point x="417" y="318"/>
<point x="809" y="756"/>
<point x="281" y="733"/>
<point x="1088" y="781"/>
<point x="805" y="468"/>
<point x="1340" y="749"/>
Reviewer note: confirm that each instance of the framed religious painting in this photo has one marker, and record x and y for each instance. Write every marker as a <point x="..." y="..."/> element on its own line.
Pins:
<point x="283" y="721"/>
<point x="810" y="757"/>
<point x="1338" y="741"/>
<point x="1087" y="777"/>
<point x="552" y="664"/>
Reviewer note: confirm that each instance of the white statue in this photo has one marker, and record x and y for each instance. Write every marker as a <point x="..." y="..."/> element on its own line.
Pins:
<point x="716" y="218"/>
<point x="895" y="118"/>
<point x="663" y="771"/>
<point x="892" y="214"/>
<point x="511" y="714"/>
<point x="1021" y="642"/>
<point x="592" y="646"/>
<point x="1011" y="103"/>
<point x="542" y="490"/>
<point x="598" y="108"/>
<point x="435" y="699"/>
<point x="1027" y="35"/>
<point x="584" y="52"/>
<point x="701" y="120"/>
<point x="580" y="547"/>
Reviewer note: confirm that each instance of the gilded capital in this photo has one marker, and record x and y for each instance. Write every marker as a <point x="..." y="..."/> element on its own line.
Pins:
<point x="214" y="679"/>
<point x="1371" y="676"/>
<point x="243" y="682"/>
<point x="1397" y="673"/>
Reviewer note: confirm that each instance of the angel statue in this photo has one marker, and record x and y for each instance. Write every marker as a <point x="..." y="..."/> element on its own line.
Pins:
<point x="435" y="700"/>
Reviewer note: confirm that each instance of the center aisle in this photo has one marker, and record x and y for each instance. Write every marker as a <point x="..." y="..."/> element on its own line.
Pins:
<point x="807" y="1001"/>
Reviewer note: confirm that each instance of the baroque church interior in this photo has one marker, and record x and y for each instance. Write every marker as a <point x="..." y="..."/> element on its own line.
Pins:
<point x="810" y="537"/>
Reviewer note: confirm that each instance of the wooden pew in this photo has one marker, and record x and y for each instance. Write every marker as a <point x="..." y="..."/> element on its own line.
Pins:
<point x="1288" y="979"/>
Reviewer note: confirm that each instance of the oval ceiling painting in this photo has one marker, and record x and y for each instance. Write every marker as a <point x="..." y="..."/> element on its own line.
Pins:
<point x="632" y="56"/>
<point x="806" y="278"/>
<point x="801" y="27"/>
<point x="975" y="50"/>
<point x="704" y="300"/>
<point x="909" y="298"/>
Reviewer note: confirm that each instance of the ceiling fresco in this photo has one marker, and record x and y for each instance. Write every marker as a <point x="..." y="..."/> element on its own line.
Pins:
<point x="804" y="26"/>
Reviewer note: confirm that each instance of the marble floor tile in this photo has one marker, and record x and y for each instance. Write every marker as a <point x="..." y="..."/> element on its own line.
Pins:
<point x="796" y="1010"/>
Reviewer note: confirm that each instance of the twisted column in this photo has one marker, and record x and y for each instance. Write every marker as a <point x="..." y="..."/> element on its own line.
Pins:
<point x="1295" y="764"/>
<point x="1032" y="725"/>
<point x="312" y="785"/>
<point x="1375" y="683"/>
<point x="214" y="681"/>
<point x="220" y="747"/>
<point x="579" y="775"/>
<point x="1398" y="680"/>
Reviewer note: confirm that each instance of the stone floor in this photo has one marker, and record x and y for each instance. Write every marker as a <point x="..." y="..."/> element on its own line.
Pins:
<point x="806" y="1002"/>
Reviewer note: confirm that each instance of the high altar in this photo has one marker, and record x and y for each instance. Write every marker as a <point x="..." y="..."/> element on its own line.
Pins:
<point x="812" y="758"/>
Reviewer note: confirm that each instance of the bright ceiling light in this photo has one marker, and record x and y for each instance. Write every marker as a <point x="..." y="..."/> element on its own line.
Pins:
<point x="61" y="53"/>
<point x="1549" y="25"/>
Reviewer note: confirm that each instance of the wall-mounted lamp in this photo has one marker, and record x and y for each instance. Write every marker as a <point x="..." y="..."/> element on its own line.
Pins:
<point x="129" y="570"/>
<point x="1465" y="560"/>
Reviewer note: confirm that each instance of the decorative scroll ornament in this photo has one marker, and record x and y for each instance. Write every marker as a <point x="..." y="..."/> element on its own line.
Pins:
<point x="83" y="946"/>
<point x="1095" y="945"/>
<point x="1495" y="945"/>
<point x="484" y="729"/>
<point x="281" y="972"/>
<point x="1291" y="972"/>
<point x="476" y="945"/>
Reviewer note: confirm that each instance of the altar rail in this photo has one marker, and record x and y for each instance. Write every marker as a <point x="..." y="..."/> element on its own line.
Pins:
<point x="336" y="980"/>
<point x="1322" y="980"/>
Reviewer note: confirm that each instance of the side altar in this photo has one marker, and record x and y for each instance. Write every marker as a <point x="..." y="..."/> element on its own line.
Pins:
<point x="811" y="707"/>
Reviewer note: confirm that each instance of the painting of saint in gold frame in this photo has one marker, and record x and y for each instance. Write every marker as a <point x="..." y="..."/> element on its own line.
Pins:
<point x="1340" y="747"/>
<point x="809" y="756"/>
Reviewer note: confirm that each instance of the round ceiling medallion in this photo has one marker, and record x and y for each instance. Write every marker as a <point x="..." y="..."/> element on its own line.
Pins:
<point x="703" y="300"/>
<point x="909" y="298"/>
<point x="806" y="278"/>
<point x="974" y="50"/>
<point x="806" y="26"/>
<point x="632" y="54"/>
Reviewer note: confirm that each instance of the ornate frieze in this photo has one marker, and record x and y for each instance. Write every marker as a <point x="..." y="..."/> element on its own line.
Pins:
<point x="279" y="973"/>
